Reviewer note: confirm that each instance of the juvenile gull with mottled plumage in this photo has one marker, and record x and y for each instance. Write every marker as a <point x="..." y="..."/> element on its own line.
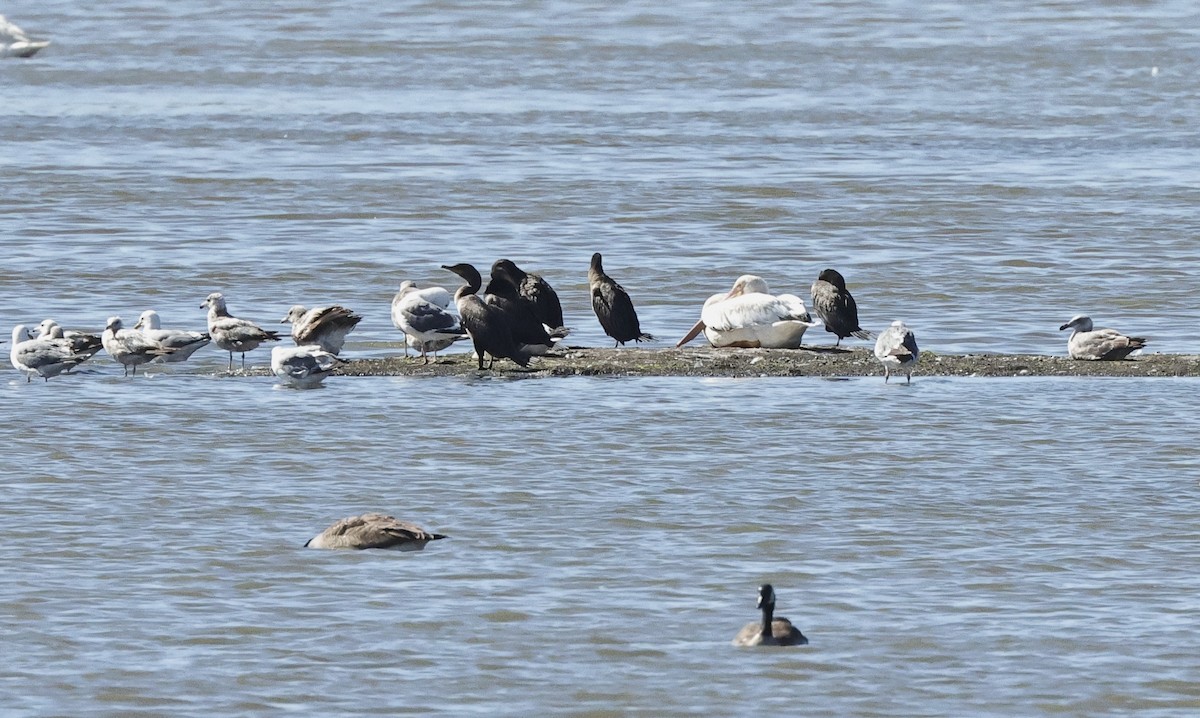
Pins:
<point x="1098" y="344"/>
<point x="233" y="334"/>
<point x="373" y="530"/>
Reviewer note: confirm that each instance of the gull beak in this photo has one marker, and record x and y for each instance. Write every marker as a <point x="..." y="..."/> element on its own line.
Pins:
<point x="1065" y="326"/>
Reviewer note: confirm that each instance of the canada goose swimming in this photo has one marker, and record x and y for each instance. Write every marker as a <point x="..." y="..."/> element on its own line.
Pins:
<point x="373" y="530"/>
<point x="45" y="356"/>
<point x="487" y="324"/>
<point x="304" y="367"/>
<point x="540" y="295"/>
<point x="184" y="343"/>
<point x="82" y="343"/>
<point x="529" y="331"/>
<point x="326" y="327"/>
<point x="749" y="316"/>
<point x="613" y="307"/>
<point x="896" y="348"/>
<point x="1098" y="344"/>
<point x="770" y="631"/>
<point x="233" y="334"/>
<point x="129" y="347"/>
<point x="15" y="43"/>
<point x="836" y="306"/>
<point x="422" y="316"/>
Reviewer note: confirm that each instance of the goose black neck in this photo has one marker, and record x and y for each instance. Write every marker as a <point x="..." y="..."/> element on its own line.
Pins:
<point x="768" y="616"/>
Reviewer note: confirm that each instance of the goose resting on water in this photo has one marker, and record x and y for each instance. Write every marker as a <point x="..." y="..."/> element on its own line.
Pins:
<point x="749" y="316"/>
<point x="1098" y="344"/>
<point x="896" y="349"/>
<point x="613" y="307"/>
<point x="373" y="530"/>
<point x="770" y="631"/>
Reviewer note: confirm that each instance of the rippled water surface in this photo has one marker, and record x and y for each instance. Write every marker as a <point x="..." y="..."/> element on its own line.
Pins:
<point x="954" y="547"/>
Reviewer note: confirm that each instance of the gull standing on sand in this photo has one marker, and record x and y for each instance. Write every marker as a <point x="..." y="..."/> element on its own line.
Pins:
<point x="1098" y="344"/>
<point x="15" y="43"/>
<point x="834" y="304"/>
<point x="233" y="334"/>
<point x="896" y="348"/>
<point x="422" y="316"/>
<point x="304" y="367"/>
<point x="44" y="356"/>
<point x="326" y="327"/>
<point x="130" y="347"/>
<point x="749" y="316"/>
<point x="373" y="530"/>
<point x="613" y="307"/>
<point x="182" y="343"/>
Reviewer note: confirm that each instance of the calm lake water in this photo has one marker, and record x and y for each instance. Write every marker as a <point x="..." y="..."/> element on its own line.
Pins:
<point x="954" y="547"/>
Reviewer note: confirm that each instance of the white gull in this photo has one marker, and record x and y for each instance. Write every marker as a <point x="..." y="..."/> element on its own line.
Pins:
<point x="304" y="367"/>
<point x="183" y="343"/>
<point x="896" y="349"/>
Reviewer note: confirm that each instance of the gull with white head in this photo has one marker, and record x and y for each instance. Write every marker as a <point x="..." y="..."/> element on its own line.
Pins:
<point x="182" y="343"/>
<point x="1091" y="344"/>
<point x="231" y="333"/>
<point x="896" y="349"/>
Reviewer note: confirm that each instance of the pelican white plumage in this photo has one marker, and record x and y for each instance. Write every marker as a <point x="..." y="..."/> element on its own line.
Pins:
<point x="130" y="347"/>
<point x="45" y="356"/>
<point x="182" y="343"/>
<point x="304" y="367"/>
<point x="750" y="316"/>
<point x="15" y="43"/>
<point x="896" y="349"/>
<point x="1091" y="344"/>
<point x="373" y="530"/>
<point x="423" y="317"/>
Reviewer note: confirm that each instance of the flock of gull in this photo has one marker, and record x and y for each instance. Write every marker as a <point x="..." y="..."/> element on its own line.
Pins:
<point x="519" y="316"/>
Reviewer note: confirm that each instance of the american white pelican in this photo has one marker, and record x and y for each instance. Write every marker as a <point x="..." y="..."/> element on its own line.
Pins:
<point x="749" y="316"/>
<point x="373" y="531"/>
<point x="184" y="343"/>
<point x="233" y="334"/>
<point x="303" y="367"/>
<point x="129" y="347"/>
<point x="1098" y="344"/>
<point x="834" y="304"/>
<point x="896" y="348"/>
<point x="326" y="327"/>
<point x="613" y="307"/>
<point x="770" y="631"/>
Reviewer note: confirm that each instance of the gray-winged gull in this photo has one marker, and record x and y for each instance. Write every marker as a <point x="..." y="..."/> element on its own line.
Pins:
<point x="44" y="356"/>
<point x="183" y="343"/>
<point x="233" y="334"/>
<point x="305" y="366"/>
<point x="15" y="43"/>
<point x="326" y="327"/>
<point x="421" y="314"/>
<point x="1098" y="344"/>
<point x="130" y="347"/>
<point x="373" y="530"/>
<point x="896" y="349"/>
